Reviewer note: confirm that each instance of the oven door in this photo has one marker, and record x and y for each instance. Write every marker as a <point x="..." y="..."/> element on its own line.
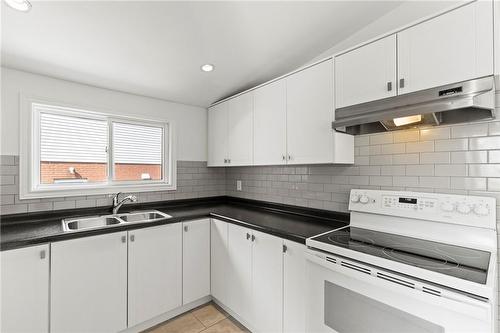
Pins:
<point x="344" y="296"/>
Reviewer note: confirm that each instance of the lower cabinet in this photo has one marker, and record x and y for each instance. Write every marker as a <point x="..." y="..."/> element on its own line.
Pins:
<point x="154" y="271"/>
<point x="294" y="285"/>
<point x="25" y="290"/>
<point x="267" y="283"/>
<point x="259" y="277"/>
<point x="219" y="261"/>
<point x="89" y="284"/>
<point x="196" y="260"/>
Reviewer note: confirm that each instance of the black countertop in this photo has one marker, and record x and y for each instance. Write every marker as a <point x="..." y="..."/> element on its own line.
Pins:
<point x="289" y="222"/>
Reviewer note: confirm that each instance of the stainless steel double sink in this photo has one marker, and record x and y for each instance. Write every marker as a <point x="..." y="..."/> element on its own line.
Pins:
<point x="106" y="221"/>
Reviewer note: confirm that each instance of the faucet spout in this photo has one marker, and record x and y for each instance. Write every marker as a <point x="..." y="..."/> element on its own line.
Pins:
<point x="118" y="203"/>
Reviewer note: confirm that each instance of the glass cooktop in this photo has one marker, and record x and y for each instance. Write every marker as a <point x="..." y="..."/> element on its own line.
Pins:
<point x="464" y="263"/>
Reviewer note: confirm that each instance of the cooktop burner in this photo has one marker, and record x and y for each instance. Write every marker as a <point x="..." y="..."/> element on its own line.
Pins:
<point x="465" y="263"/>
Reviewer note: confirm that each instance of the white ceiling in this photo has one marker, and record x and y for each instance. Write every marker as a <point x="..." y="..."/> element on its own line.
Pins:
<point x="156" y="48"/>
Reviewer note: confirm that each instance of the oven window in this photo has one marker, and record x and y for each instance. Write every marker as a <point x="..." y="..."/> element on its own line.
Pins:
<point x="344" y="308"/>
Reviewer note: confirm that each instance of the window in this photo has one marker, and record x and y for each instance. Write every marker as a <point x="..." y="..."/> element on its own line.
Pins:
<point x="75" y="152"/>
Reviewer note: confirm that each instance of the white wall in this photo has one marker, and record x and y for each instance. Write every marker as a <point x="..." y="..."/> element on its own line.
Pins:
<point x="408" y="12"/>
<point x="190" y="121"/>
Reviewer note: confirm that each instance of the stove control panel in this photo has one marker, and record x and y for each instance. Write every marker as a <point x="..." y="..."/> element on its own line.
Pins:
<point x="469" y="210"/>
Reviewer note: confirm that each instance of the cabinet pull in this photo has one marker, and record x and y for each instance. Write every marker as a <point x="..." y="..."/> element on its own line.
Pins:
<point x="253" y="238"/>
<point x="132" y="238"/>
<point x="248" y="236"/>
<point x="401" y="83"/>
<point x="289" y="157"/>
<point x="225" y="160"/>
<point x="389" y="86"/>
<point x="42" y="254"/>
<point x="283" y="157"/>
<point x="185" y="228"/>
<point x="229" y="160"/>
<point x="124" y="239"/>
<point x="284" y="248"/>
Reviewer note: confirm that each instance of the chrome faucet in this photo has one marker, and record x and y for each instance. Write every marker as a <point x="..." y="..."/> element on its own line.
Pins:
<point x="117" y="204"/>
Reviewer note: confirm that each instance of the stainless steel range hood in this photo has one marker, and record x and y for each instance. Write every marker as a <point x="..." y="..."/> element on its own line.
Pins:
<point x="454" y="103"/>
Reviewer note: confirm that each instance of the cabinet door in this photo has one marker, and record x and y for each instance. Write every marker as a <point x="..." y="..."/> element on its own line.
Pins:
<point x="240" y="271"/>
<point x="219" y="261"/>
<point x="367" y="73"/>
<point x="310" y="115"/>
<point x="267" y="283"/>
<point x="269" y="134"/>
<point x="89" y="284"/>
<point x="294" y="280"/>
<point x="453" y="47"/>
<point x="25" y="289"/>
<point x="217" y="135"/>
<point x="154" y="272"/>
<point x="240" y="130"/>
<point x="196" y="260"/>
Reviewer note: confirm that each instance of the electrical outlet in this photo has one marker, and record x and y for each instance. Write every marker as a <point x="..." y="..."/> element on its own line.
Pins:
<point x="238" y="185"/>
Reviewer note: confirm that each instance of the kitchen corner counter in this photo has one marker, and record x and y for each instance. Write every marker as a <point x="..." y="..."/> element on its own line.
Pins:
<point x="284" y="221"/>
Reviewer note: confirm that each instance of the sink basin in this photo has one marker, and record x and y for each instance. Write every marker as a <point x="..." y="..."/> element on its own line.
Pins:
<point x="148" y="216"/>
<point x="105" y="221"/>
<point x="90" y="222"/>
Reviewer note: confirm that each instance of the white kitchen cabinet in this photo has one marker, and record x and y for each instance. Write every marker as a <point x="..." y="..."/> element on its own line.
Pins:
<point x="240" y="130"/>
<point x="294" y="282"/>
<point x="366" y="73"/>
<point x="217" y="135"/>
<point x="310" y="113"/>
<point x="267" y="283"/>
<point x="240" y="271"/>
<point x="195" y="260"/>
<point x="89" y="284"/>
<point x="219" y="261"/>
<point x="270" y="124"/>
<point x="452" y="47"/>
<point x="154" y="271"/>
<point x="25" y="289"/>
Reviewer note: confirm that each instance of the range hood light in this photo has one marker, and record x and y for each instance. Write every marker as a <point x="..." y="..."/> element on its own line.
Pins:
<point x="407" y="120"/>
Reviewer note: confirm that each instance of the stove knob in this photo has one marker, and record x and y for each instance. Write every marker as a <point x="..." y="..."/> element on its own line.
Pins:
<point x="364" y="199"/>
<point x="447" y="206"/>
<point x="355" y="198"/>
<point x="481" y="210"/>
<point x="463" y="209"/>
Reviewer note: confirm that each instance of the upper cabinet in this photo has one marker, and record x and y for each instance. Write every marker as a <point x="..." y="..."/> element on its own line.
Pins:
<point x="217" y="135"/>
<point x="367" y="73"/>
<point x="309" y="115"/>
<point x="453" y="47"/>
<point x="287" y="121"/>
<point x="269" y="132"/>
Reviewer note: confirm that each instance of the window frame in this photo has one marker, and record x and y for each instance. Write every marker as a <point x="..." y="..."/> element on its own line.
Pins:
<point x="29" y="174"/>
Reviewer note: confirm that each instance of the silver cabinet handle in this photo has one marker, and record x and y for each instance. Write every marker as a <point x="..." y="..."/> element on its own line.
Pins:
<point x="42" y="254"/>
<point x="285" y="248"/>
<point x="401" y="83"/>
<point x="132" y="238"/>
<point x="248" y="236"/>
<point x="185" y="228"/>
<point x="225" y="160"/>
<point x="229" y="160"/>
<point x="124" y="239"/>
<point x="283" y="157"/>
<point x="389" y="86"/>
<point x="253" y="238"/>
<point x="289" y="157"/>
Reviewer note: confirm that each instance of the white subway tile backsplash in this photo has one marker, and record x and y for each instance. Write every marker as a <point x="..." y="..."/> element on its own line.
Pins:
<point x="451" y="170"/>
<point x="395" y="148"/>
<point x="381" y="160"/>
<point x="468" y="131"/>
<point x="393" y="170"/>
<point x="434" y="182"/>
<point x="406" y="136"/>
<point x="469" y="157"/>
<point x="494" y="156"/>
<point x="404" y="181"/>
<point x="359" y="180"/>
<point x="420" y="170"/>
<point x="451" y="145"/>
<point x="419" y="147"/>
<point x="435" y="133"/>
<point x="494" y="127"/>
<point x="491" y="142"/>
<point x="361" y="140"/>
<point x="369" y="170"/>
<point x="378" y="139"/>
<point x="494" y="184"/>
<point x="484" y="170"/>
<point x="468" y="183"/>
<point x="361" y="160"/>
<point x="406" y="159"/>
<point x="381" y="180"/>
<point x="435" y="158"/>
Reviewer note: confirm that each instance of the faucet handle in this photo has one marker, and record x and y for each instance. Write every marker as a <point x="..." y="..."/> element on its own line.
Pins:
<point x="115" y="198"/>
<point x="133" y="198"/>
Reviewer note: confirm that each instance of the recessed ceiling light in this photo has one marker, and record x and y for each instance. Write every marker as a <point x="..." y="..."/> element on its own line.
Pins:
<point x="207" y="67"/>
<point x="21" y="5"/>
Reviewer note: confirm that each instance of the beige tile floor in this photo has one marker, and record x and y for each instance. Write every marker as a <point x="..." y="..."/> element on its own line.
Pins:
<point x="208" y="318"/>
